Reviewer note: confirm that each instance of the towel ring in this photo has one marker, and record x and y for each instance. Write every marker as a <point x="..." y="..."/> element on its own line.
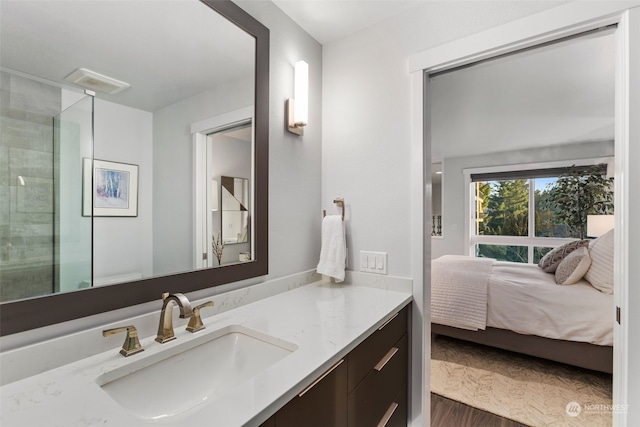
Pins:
<point x="338" y="201"/>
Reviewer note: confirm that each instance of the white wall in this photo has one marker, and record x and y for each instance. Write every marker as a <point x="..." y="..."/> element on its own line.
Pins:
<point x="521" y="101"/>
<point x="631" y="320"/>
<point x="295" y="212"/>
<point x="372" y="64"/>
<point x="452" y="241"/>
<point x="122" y="245"/>
<point x="366" y="153"/>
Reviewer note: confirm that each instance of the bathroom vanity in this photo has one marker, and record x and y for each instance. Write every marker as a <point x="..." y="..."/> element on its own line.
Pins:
<point x="367" y="387"/>
<point x="321" y="350"/>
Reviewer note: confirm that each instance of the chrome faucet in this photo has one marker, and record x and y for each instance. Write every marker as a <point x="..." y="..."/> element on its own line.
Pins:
<point x="165" y="328"/>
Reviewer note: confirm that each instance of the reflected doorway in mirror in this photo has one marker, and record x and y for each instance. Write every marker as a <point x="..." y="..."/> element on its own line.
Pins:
<point x="224" y="169"/>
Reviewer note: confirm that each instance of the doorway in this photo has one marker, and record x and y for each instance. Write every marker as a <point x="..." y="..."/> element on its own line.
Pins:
<point x="512" y="131"/>
<point x="557" y="23"/>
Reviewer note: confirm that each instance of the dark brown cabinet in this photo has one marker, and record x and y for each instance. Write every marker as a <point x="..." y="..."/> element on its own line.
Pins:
<point x="321" y="404"/>
<point x="366" y="388"/>
<point x="376" y="394"/>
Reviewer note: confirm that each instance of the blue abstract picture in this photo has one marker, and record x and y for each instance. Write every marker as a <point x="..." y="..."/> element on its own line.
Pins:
<point x="111" y="189"/>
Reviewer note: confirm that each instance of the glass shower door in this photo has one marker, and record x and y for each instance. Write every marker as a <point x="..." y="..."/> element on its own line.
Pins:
<point x="73" y="222"/>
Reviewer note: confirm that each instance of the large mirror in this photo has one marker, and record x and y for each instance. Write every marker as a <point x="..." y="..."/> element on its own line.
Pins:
<point x="101" y="192"/>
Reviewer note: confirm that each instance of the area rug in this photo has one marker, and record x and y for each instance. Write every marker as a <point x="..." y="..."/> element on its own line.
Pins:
<point x="525" y="389"/>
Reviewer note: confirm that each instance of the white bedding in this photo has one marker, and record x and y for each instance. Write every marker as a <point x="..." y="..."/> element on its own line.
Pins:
<point x="525" y="299"/>
<point x="459" y="291"/>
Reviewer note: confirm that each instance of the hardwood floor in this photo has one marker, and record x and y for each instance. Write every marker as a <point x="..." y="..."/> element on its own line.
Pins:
<point x="449" y="413"/>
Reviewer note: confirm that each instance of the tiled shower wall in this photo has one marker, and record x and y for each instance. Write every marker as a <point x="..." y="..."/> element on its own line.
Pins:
<point x="27" y="108"/>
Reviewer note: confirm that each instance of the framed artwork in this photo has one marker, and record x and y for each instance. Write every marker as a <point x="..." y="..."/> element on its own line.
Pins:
<point x="111" y="186"/>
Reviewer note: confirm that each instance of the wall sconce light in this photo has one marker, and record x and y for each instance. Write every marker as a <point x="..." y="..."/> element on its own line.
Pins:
<point x="298" y="106"/>
<point x="214" y="195"/>
<point x="597" y="225"/>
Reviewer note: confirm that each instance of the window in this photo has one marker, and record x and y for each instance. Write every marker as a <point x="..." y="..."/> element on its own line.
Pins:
<point x="516" y="214"/>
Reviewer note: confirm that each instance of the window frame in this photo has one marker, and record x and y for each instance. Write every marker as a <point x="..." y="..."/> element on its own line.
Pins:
<point x="530" y="241"/>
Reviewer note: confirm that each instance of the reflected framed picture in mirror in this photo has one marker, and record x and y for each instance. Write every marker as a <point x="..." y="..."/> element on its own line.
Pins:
<point x="235" y="210"/>
<point x="111" y="187"/>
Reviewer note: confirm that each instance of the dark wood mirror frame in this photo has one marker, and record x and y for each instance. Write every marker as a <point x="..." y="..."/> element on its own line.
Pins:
<point x="23" y="315"/>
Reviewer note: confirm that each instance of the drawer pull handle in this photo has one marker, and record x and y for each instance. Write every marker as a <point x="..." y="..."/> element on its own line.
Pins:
<point x="388" y="321"/>
<point x="386" y="359"/>
<point x="387" y="416"/>
<point x="310" y="386"/>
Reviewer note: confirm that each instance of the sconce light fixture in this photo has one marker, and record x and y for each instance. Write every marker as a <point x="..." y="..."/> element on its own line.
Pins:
<point x="298" y="106"/>
<point x="214" y="195"/>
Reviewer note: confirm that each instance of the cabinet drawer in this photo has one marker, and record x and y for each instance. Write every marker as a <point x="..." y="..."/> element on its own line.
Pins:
<point x="364" y="357"/>
<point x="371" y="399"/>
<point x="397" y="412"/>
<point x="324" y="404"/>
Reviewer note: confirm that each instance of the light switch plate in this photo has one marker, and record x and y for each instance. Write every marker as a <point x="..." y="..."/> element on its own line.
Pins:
<point x="373" y="262"/>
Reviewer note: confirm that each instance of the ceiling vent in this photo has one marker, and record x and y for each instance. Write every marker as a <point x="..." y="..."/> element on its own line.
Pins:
<point x="94" y="81"/>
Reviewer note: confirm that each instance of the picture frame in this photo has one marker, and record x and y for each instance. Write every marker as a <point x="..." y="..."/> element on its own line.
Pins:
<point x="109" y="188"/>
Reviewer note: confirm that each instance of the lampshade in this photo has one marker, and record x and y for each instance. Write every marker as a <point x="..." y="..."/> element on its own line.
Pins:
<point x="597" y="225"/>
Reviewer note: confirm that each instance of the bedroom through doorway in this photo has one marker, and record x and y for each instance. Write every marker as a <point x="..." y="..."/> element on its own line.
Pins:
<point x="522" y="152"/>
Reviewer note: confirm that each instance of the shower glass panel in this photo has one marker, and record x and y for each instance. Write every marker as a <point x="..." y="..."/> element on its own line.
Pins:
<point x="45" y="242"/>
<point x="72" y="142"/>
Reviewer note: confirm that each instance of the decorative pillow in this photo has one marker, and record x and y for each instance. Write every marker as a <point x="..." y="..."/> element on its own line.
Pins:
<point x="573" y="267"/>
<point x="553" y="258"/>
<point x="600" y="274"/>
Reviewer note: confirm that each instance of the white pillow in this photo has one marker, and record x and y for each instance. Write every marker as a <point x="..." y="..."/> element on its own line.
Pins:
<point x="600" y="274"/>
<point x="573" y="267"/>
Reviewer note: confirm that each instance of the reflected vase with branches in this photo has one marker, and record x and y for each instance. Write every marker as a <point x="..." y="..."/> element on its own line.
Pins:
<point x="218" y="246"/>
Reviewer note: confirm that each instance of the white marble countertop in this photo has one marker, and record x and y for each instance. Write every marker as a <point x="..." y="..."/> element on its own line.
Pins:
<point x="325" y="321"/>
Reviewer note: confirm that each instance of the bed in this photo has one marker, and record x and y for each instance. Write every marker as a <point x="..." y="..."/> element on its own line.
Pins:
<point x="521" y="308"/>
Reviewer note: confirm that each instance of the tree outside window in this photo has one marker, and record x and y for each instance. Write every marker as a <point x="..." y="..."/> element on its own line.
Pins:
<point x="561" y="205"/>
<point x="578" y="194"/>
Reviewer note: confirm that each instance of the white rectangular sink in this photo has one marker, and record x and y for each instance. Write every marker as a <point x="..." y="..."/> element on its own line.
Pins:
<point x="185" y="378"/>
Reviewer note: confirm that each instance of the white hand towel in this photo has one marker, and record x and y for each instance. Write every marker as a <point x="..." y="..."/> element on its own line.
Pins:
<point x="334" y="249"/>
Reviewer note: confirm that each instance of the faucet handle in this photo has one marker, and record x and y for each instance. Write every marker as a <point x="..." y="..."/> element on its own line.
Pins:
<point x="195" y="322"/>
<point x="131" y="342"/>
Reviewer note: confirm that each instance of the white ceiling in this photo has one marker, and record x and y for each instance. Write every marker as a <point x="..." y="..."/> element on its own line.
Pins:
<point x="50" y="40"/>
<point x="559" y="94"/>
<point x="166" y="50"/>
<point x="563" y="93"/>
<point x="330" y="20"/>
